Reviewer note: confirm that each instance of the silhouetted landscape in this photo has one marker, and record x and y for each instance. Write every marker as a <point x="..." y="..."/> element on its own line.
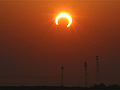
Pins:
<point x="100" y="86"/>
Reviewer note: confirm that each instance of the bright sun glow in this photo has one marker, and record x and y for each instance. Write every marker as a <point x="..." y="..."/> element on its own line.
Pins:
<point x="63" y="15"/>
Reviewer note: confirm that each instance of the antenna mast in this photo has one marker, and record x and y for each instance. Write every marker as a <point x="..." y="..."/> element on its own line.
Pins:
<point x="85" y="64"/>
<point x="62" y="75"/>
<point x="97" y="70"/>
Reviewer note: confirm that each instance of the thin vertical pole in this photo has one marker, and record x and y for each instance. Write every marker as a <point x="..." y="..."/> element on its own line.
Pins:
<point x="62" y="75"/>
<point x="85" y="64"/>
<point x="97" y="70"/>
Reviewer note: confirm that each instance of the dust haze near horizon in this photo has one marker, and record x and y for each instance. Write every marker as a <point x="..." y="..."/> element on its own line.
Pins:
<point x="33" y="48"/>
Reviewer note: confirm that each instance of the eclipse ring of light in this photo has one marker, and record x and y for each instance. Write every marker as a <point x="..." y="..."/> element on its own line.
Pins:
<point x="63" y="15"/>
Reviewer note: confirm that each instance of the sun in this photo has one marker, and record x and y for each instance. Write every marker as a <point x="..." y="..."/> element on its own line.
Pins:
<point x="63" y="15"/>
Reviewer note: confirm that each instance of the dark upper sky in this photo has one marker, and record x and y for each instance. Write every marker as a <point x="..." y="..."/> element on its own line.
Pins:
<point x="33" y="48"/>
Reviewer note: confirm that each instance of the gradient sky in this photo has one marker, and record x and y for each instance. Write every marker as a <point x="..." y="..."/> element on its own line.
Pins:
<point x="33" y="48"/>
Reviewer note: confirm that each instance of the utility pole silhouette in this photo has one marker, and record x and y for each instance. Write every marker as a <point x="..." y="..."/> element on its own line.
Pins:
<point x="97" y="70"/>
<point x="62" y="75"/>
<point x="85" y="64"/>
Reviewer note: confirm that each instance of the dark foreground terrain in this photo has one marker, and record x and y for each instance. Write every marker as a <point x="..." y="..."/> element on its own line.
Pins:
<point x="95" y="87"/>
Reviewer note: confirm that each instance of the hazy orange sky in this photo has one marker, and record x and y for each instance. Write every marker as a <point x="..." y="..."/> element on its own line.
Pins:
<point x="33" y="48"/>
